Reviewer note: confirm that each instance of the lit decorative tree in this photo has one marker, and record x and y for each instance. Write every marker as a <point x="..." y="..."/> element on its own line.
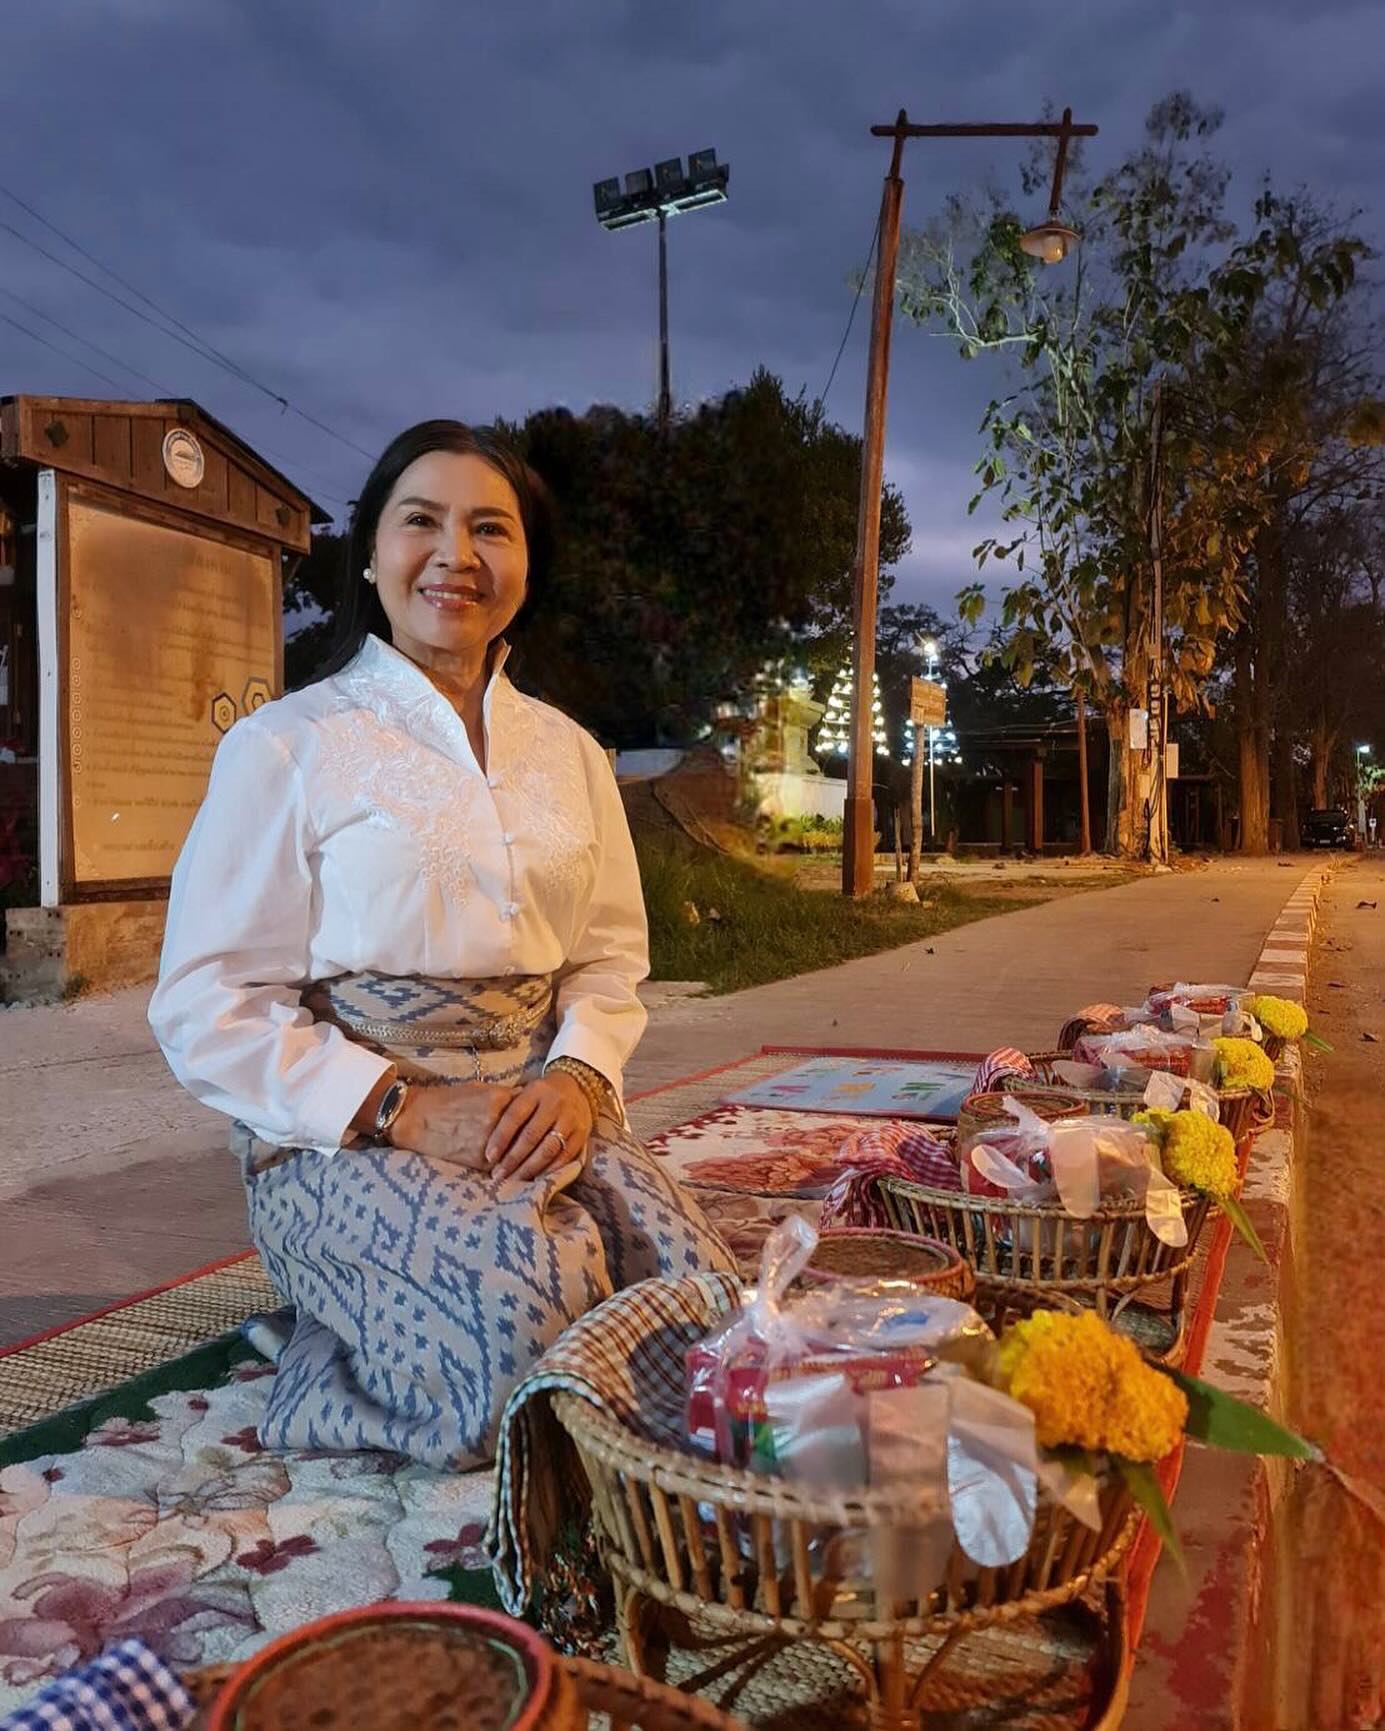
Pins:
<point x="834" y="735"/>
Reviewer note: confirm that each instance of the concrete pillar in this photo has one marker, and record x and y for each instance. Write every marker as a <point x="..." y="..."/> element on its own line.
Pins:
<point x="1006" y="816"/>
<point x="1034" y="804"/>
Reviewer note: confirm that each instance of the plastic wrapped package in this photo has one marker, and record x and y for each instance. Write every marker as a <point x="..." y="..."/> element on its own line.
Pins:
<point x="1144" y="1048"/>
<point x="870" y="1385"/>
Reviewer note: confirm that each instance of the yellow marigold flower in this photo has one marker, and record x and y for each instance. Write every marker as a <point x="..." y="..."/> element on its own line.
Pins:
<point x="1088" y="1387"/>
<point x="1199" y="1154"/>
<point x="1243" y="1064"/>
<point x="1280" y="1016"/>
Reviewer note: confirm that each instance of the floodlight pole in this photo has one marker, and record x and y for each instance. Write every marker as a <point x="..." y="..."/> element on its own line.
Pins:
<point x="665" y="389"/>
<point x="858" y="848"/>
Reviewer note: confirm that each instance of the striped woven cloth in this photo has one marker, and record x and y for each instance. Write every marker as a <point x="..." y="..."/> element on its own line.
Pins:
<point x="1005" y="1064"/>
<point x="626" y="1357"/>
<point x="1095" y="1019"/>
<point x="127" y="1688"/>
<point x="887" y="1151"/>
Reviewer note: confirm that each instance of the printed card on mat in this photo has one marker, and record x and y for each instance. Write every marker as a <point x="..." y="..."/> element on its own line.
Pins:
<point x="872" y="1087"/>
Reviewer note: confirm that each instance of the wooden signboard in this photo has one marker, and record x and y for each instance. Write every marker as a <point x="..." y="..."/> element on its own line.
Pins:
<point x="927" y="703"/>
<point x="162" y="635"/>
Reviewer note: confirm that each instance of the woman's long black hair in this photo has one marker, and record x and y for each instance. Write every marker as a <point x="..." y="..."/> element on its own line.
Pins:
<point x="358" y="610"/>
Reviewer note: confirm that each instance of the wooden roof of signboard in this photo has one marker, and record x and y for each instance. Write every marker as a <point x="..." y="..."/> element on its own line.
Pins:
<point x="121" y="444"/>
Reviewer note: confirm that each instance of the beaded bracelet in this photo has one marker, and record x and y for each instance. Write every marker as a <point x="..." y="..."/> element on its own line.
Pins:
<point x="596" y="1090"/>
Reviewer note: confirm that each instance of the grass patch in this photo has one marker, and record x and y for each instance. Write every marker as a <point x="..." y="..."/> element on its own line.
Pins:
<point x="755" y="925"/>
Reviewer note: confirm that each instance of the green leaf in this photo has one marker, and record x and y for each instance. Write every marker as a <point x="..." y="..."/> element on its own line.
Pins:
<point x="1220" y="1419"/>
<point x="1149" y="1494"/>
<point x="1236" y="1214"/>
<point x="1317" y="1042"/>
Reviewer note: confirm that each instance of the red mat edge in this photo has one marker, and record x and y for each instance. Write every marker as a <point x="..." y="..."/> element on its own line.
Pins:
<point x="125" y="1303"/>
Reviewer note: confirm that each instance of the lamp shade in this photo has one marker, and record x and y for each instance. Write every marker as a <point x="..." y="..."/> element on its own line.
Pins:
<point x="1050" y="242"/>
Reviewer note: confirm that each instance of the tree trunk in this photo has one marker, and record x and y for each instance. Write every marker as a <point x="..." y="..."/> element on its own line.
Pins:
<point x="1286" y="790"/>
<point x="916" y="804"/>
<point x="1120" y="813"/>
<point x="1252" y="743"/>
<point x="1084" y="794"/>
<point x="1324" y="743"/>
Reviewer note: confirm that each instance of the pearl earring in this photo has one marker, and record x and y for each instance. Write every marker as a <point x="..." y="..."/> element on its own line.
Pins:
<point x="369" y="575"/>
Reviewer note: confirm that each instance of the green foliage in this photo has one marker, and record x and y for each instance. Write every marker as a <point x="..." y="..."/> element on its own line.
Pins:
<point x="1220" y="1419"/>
<point x="1144" y="1486"/>
<point x="767" y="929"/>
<point x="691" y="557"/>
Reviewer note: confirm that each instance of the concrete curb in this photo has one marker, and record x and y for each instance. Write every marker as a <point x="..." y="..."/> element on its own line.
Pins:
<point x="1206" y="1657"/>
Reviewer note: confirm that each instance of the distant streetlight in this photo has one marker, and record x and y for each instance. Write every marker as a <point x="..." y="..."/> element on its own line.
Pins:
<point x="1049" y="242"/>
<point x="653" y="196"/>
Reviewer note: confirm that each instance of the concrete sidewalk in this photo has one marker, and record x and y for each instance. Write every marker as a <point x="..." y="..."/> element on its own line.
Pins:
<point x="113" y="1180"/>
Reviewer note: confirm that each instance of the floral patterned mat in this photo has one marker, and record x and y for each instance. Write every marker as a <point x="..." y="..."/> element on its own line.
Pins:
<point x="153" y="1511"/>
<point x="158" y="1514"/>
<point x="749" y="1166"/>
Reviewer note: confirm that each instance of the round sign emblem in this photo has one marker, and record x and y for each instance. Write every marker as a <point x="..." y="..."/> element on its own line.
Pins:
<point x="183" y="458"/>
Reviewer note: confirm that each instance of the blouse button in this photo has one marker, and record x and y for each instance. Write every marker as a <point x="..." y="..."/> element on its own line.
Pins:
<point x="494" y="780"/>
<point x="508" y="838"/>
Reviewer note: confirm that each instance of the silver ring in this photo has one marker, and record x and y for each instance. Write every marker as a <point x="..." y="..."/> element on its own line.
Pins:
<point x="562" y="1140"/>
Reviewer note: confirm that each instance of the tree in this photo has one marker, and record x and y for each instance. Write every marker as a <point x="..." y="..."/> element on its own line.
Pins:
<point x="693" y="556"/>
<point x="1284" y="380"/>
<point x="1068" y="448"/>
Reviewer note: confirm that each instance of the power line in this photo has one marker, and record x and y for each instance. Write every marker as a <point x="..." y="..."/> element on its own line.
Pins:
<point x="851" y="316"/>
<point x="86" y="342"/>
<point x="65" y="353"/>
<point x="182" y="334"/>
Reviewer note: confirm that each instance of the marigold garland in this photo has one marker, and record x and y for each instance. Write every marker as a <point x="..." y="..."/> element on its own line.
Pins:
<point x="1088" y="1387"/>
<point x="1195" y="1151"/>
<point x="1243" y="1064"/>
<point x="1281" y="1017"/>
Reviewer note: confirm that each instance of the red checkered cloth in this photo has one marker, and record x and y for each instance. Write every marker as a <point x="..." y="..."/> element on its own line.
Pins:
<point x="886" y="1151"/>
<point x="1095" y="1019"/>
<point x="1004" y="1064"/>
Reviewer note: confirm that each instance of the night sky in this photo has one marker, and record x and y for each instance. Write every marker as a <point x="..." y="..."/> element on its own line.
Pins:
<point x="383" y="211"/>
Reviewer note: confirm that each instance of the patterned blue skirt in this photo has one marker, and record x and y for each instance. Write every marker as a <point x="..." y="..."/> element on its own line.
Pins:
<point x="424" y="1292"/>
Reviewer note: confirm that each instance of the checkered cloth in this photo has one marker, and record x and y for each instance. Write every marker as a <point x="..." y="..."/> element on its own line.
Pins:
<point x="129" y="1688"/>
<point x="626" y="1357"/>
<point x="1095" y="1019"/>
<point x="1005" y="1064"/>
<point x="886" y="1151"/>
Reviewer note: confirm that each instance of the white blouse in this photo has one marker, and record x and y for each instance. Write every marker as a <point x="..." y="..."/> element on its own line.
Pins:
<point x="349" y="826"/>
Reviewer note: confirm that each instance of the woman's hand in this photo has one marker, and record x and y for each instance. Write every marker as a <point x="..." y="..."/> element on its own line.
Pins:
<point x="451" y="1122"/>
<point x="548" y="1123"/>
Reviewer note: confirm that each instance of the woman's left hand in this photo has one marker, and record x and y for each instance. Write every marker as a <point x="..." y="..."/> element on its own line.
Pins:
<point x="548" y="1123"/>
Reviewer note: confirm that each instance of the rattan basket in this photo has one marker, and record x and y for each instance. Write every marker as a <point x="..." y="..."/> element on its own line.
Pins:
<point x="760" y="1557"/>
<point x="982" y="1112"/>
<point x="1104" y="1261"/>
<point x="594" y="1694"/>
<point x="1243" y="1111"/>
<point x="866" y="1252"/>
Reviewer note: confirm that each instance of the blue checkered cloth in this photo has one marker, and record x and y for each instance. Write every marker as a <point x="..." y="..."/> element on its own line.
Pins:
<point x="129" y="1688"/>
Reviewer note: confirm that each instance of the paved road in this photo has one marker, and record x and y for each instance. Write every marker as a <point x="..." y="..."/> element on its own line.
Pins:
<point x="112" y="1179"/>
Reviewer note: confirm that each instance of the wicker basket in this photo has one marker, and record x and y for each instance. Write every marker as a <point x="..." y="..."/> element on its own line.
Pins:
<point x="760" y="1557"/>
<point x="588" y="1692"/>
<point x="982" y="1112"/>
<point x="865" y="1252"/>
<point x="1104" y="1261"/>
<point x="1243" y="1111"/>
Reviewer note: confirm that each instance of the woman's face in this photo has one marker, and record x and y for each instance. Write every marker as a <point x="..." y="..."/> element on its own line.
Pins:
<point x="450" y="556"/>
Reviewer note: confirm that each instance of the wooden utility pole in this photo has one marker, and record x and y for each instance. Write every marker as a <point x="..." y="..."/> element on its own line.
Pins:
<point x="858" y="855"/>
<point x="1049" y="242"/>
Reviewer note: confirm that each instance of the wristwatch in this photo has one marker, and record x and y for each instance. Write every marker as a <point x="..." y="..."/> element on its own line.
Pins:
<point x="391" y="1105"/>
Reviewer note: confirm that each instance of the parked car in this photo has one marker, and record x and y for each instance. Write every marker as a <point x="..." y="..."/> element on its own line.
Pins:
<point x="1331" y="827"/>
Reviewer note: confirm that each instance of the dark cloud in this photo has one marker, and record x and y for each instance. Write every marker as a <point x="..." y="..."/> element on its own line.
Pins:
<point x="382" y="207"/>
